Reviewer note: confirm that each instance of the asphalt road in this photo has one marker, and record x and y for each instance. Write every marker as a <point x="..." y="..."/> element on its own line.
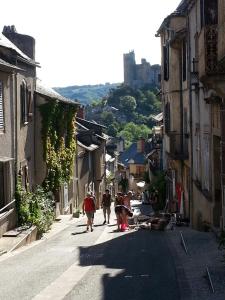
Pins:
<point x="101" y="265"/>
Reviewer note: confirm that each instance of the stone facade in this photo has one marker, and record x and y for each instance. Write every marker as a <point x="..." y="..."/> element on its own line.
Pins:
<point x="192" y="90"/>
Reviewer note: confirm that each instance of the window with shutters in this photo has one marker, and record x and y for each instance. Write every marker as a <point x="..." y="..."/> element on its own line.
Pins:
<point x="209" y="12"/>
<point x="26" y="103"/>
<point x="5" y="182"/>
<point x="2" y="124"/>
<point x="206" y="162"/>
<point x="166" y="62"/>
<point x="167" y="117"/>
<point x="184" y="60"/>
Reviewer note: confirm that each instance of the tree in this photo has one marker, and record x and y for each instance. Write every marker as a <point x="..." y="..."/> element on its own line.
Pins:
<point x="128" y="104"/>
<point x="133" y="132"/>
<point x="107" y="117"/>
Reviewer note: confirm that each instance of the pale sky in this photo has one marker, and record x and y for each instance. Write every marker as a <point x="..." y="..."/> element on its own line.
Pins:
<point x="82" y="41"/>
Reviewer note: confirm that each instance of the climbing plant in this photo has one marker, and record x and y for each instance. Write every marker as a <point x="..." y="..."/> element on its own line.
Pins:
<point x="59" y="145"/>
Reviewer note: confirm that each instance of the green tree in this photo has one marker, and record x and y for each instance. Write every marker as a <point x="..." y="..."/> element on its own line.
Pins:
<point x="107" y="118"/>
<point x="128" y="104"/>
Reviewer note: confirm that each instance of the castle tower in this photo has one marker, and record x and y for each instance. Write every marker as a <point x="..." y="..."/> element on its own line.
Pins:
<point x="129" y="68"/>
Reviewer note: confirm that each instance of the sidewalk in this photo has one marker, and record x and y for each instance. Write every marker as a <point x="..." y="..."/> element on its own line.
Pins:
<point x="203" y="252"/>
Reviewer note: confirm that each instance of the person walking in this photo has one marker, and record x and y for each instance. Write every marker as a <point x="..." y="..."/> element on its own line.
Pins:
<point x="106" y="205"/>
<point x="89" y="209"/>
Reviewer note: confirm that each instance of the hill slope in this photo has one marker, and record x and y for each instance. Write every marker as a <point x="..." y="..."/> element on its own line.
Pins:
<point x="85" y="94"/>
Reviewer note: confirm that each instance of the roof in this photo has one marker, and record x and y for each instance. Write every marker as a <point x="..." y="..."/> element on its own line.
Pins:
<point x="6" y="65"/>
<point x="91" y="147"/>
<point x="131" y="154"/>
<point x="89" y="123"/>
<point x="158" y="117"/>
<point x="179" y="12"/>
<point x="6" y="43"/>
<point x="44" y="90"/>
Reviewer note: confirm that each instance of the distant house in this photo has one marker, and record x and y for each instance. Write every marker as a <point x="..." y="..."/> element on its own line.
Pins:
<point x="90" y="160"/>
<point x="135" y="162"/>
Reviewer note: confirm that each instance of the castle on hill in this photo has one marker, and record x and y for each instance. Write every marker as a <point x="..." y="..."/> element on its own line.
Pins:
<point x="139" y="75"/>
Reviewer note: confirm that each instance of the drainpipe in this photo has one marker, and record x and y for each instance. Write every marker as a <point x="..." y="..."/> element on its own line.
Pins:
<point x="190" y="202"/>
<point x="16" y="126"/>
<point x="181" y="116"/>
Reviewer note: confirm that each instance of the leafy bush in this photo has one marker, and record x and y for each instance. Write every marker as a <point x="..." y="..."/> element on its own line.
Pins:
<point x="34" y="208"/>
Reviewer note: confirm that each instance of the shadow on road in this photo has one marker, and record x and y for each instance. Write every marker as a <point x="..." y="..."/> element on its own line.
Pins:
<point x="140" y="266"/>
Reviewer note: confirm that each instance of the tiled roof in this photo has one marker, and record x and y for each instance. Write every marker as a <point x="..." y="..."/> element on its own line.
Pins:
<point x="132" y="154"/>
<point x="44" y="90"/>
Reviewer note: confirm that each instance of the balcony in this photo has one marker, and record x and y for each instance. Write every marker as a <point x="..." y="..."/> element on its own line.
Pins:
<point x="178" y="146"/>
<point x="208" y="54"/>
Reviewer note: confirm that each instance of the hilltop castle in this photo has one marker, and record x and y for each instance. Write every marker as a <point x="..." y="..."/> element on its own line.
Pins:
<point x="139" y="75"/>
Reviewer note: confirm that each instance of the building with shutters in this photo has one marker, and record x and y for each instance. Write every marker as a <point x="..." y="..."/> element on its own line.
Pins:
<point x="193" y="81"/>
<point x="17" y="85"/>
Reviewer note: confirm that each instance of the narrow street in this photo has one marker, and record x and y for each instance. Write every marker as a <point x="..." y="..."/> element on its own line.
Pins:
<point x="104" y="264"/>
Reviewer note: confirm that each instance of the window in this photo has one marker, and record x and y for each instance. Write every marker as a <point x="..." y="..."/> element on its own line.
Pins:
<point x="198" y="154"/>
<point x="167" y="117"/>
<point x="166" y="62"/>
<point x="26" y="103"/>
<point x="184" y="60"/>
<point x="206" y="163"/>
<point x="1" y="107"/>
<point x="5" y="182"/>
<point x="209" y="12"/>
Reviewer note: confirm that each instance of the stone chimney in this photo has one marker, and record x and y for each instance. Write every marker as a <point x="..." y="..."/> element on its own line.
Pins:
<point x="81" y="112"/>
<point x="24" y="42"/>
<point x="141" y="145"/>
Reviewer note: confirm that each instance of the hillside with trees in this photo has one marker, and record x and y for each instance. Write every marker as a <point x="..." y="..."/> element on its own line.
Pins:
<point x="126" y="112"/>
<point x="86" y="93"/>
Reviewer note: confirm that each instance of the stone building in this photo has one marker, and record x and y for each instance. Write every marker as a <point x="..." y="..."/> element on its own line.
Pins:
<point x="17" y="85"/>
<point x="139" y="75"/>
<point x="192" y="42"/>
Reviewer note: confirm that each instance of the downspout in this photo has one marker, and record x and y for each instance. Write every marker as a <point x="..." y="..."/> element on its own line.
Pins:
<point x="190" y="202"/>
<point x="181" y="117"/>
<point x="16" y="127"/>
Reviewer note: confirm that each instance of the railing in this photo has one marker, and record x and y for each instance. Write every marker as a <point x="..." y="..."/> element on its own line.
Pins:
<point x="208" y="54"/>
<point x="7" y="206"/>
<point x="178" y="146"/>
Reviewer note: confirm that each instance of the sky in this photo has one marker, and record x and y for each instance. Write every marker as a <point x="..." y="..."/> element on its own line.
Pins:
<point x="81" y="42"/>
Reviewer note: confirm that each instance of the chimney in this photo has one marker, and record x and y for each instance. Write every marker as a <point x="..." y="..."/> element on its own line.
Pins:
<point x="24" y="42"/>
<point x="81" y="112"/>
<point x="141" y="145"/>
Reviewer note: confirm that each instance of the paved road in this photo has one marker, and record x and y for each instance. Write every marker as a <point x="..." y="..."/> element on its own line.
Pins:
<point x="101" y="265"/>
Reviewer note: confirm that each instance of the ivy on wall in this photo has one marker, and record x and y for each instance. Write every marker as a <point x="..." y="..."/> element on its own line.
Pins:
<point x="59" y="144"/>
<point x="58" y="135"/>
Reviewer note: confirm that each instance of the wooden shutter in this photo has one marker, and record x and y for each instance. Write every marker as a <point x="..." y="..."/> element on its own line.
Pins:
<point x="1" y="107"/>
<point x="5" y="182"/>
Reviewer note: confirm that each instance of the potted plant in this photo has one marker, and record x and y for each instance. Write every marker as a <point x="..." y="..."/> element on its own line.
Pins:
<point x="76" y="213"/>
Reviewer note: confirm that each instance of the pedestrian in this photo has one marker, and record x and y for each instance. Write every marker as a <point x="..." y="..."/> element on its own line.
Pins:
<point x="94" y="198"/>
<point x="106" y="205"/>
<point x="127" y="209"/>
<point x="119" y="209"/>
<point x="89" y="209"/>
